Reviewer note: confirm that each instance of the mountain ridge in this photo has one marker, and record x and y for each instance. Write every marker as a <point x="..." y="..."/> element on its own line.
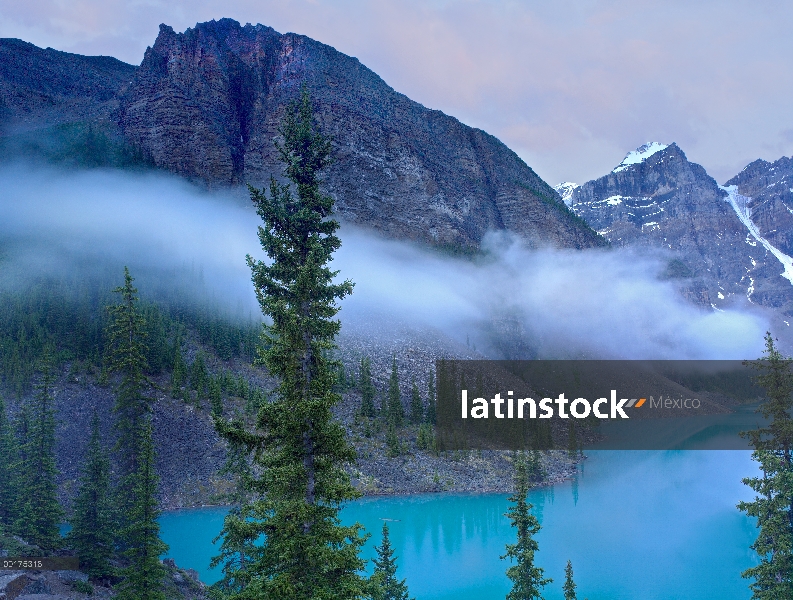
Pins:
<point x="206" y="104"/>
<point x="661" y="200"/>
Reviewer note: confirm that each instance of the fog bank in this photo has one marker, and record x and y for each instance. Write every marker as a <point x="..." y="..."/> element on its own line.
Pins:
<point x="511" y="302"/>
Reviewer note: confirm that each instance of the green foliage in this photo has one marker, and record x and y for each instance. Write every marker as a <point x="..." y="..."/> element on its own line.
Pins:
<point x="773" y="505"/>
<point x="527" y="579"/>
<point x="430" y="416"/>
<point x="75" y="144"/>
<point x="367" y="389"/>
<point x="179" y="372"/>
<point x="215" y="397"/>
<point x="8" y="458"/>
<point x="66" y="312"/>
<point x="393" y="445"/>
<point x="395" y="413"/>
<point x="569" y="585"/>
<point x="384" y="582"/>
<point x="534" y="468"/>
<point x="300" y="451"/>
<point x="126" y="356"/>
<point x="92" y="532"/>
<point x="40" y="513"/>
<point x="425" y="440"/>
<point x="144" y="574"/>
<point x="343" y="382"/>
<point x="416" y="407"/>
<point x="199" y="376"/>
<point x="83" y="587"/>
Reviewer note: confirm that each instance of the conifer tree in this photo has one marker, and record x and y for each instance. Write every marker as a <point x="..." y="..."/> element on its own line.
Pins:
<point x="431" y="411"/>
<point x="527" y="579"/>
<point x="144" y="575"/>
<point x="569" y="585"/>
<point x="300" y="451"/>
<point x="396" y="413"/>
<point x="41" y="514"/>
<point x="385" y="585"/>
<point x="215" y="397"/>
<point x="367" y="389"/>
<point x="416" y="408"/>
<point x="393" y="445"/>
<point x="179" y="373"/>
<point x="8" y="458"/>
<point x="20" y="476"/>
<point x="92" y="532"/>
<point x="773" y="506"/>
<point x="126" y="355"/>
<point x="136" y="503"/>
<point x="238" y="541"/>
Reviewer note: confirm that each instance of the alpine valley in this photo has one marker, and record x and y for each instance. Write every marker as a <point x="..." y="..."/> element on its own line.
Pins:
<point x="205" y="105"/>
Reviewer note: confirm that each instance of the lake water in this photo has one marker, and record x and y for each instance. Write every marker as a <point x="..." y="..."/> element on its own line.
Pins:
<point x="649" y="525"/>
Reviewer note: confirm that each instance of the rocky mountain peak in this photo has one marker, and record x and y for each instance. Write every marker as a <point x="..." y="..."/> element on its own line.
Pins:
<point x="565" y="191"/>
<point x="641" y="154"/>
<point x="207" y="103"/>
<point x="657" y="198"/>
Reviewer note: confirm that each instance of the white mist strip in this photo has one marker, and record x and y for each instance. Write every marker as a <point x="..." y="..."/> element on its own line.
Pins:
<point x="738" y="203"/>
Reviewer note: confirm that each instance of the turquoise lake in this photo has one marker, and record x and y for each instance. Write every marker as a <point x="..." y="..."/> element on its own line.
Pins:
<point x="649" y="525"/>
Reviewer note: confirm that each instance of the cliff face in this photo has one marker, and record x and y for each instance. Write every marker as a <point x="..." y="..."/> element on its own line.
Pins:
<point x="770" y="187"/>
<point x="207" y="104"/>
<point x="657" y="198"/>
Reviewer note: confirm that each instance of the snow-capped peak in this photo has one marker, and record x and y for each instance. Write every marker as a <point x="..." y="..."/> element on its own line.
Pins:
<point x="641" y="154"/>
<point x="565" y="190"/>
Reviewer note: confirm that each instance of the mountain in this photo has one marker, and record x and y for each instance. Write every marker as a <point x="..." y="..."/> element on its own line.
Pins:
<point x="206" y="104"/>
<point x="657" y="198"/>
<point x="770" y="188"/>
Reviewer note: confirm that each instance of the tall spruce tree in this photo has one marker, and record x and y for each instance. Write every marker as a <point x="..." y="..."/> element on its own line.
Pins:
<point x="41" y="514"/>
<point x="527" y="579"/>
<point x="8" y="458"/>
<point x="144" y="573"/>
<point x="773" y="506"/>
<point x="385" y="585"/>
<point x="395" y="410"/>
<point x="569" y="585"/>
<point x="126" y="355"/>
<point x="300" y="450"/>
<point x="135" y="504"/>
<point x="92" y="532"/>
<point x="19" y="469"/>
<point x="416" y="407"/>
<point x="367" y="389"/>
<point x="431" y="411"/>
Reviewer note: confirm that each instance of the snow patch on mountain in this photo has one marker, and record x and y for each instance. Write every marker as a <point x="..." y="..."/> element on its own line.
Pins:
<point x="739" y="204"/>
<point x="639" y="155"/>
<point x="565" y="190"/>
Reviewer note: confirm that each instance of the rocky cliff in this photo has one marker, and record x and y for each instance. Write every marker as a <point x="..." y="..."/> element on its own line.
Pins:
<point x="657" y="198"/>
<point x="206" y="104"/>
<point x="770" y="188"/>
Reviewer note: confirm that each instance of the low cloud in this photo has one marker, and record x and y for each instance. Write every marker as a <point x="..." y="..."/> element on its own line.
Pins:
<point x="511" y="302"/>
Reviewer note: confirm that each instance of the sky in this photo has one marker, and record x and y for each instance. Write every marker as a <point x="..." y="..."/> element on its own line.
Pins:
<point x="570" y="85"/>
